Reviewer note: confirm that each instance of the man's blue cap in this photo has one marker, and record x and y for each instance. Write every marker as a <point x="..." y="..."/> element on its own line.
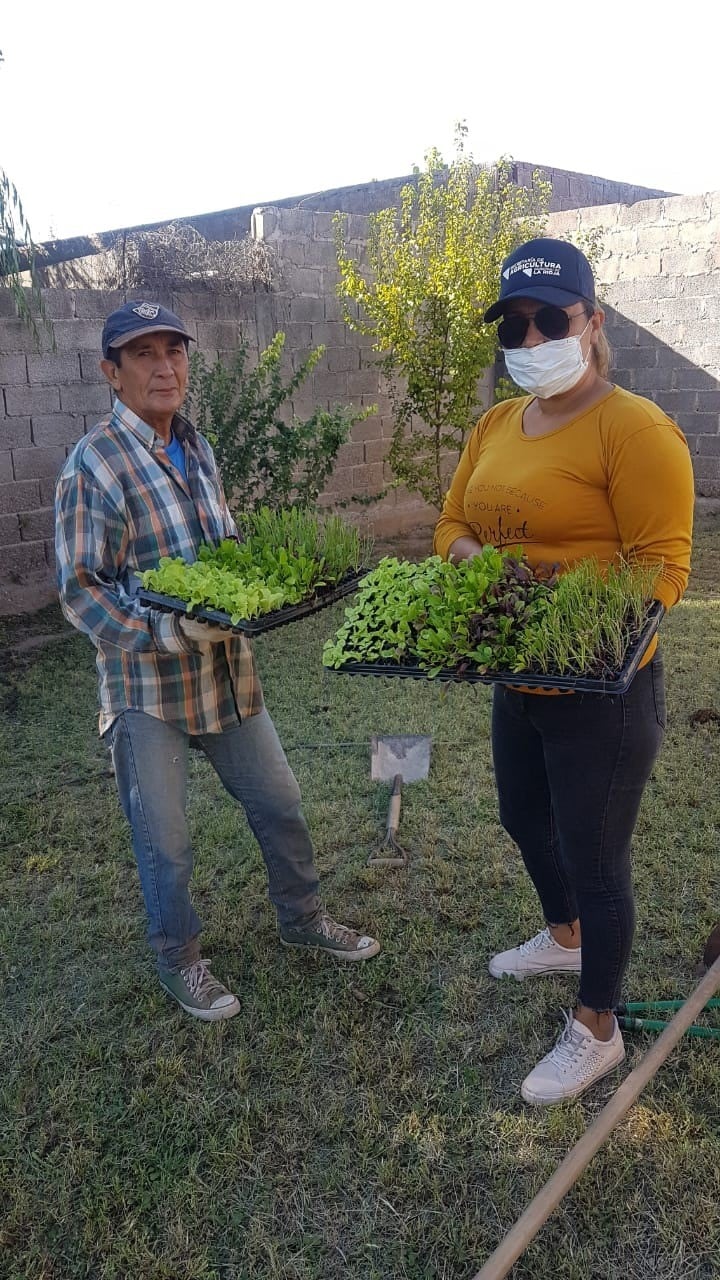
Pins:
<point x="551" y="271"/>
<point x="135" y="318"/>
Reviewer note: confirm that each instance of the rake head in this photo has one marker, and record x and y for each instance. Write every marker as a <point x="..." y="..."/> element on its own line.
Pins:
<point x="390" y="854"/>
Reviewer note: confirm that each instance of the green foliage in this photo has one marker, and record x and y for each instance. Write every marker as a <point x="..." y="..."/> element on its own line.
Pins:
<point x="208" y="583"/>
<point x="335" y="546"/>
<point x="506" y="389"/>
<point x="264" y="460"/>
<point x="285" y="558"/>
<point x="496" y="612"/>
<point x="434" y="266"/>
<point x="18" y="254"/>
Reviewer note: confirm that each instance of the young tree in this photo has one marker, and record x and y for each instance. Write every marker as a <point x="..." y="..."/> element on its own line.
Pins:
<point x="18" y="253"/>
<point x="434" y="265"/>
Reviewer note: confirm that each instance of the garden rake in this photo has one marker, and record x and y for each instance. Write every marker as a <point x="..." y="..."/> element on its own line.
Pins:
<point x="627" y="1013"/>
<point x="629" y="1021"/>
<point x="398" y="759"/>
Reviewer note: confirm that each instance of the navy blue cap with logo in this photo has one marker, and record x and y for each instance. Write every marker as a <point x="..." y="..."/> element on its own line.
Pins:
<point x="136" y="318"/>
<point x="550" y="271"/>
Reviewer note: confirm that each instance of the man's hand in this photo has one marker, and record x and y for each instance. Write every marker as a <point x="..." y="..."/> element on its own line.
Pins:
<point x="202" y="634"/>
<point x="180" y="634"/>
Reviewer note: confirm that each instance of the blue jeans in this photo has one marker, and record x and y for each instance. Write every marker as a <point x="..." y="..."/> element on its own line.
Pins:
<point x="570" y="772"/>
<point x="150" y="758"/>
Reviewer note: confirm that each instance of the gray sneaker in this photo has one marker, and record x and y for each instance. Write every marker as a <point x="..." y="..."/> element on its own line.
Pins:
<point x="199" y="994"/>
<point x="334" y="939"/>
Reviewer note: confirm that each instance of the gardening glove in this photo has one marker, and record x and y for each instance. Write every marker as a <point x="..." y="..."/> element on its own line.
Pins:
<point x="202" y="634"/>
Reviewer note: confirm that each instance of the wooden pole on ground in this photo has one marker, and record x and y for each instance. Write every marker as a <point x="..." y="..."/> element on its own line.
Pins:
<point x="577" y="1160"/>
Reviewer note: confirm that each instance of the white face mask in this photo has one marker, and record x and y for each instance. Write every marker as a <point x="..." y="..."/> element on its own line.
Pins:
<point x="549" y="368"/>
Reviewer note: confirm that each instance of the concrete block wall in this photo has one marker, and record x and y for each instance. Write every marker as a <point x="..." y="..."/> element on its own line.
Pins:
<point x="570" y="189"/>
<point x="309" y="312"/>
<point x="576" y="190"/>
<point x="42" y="413"/>
<point x="50" y="398"/>
<point x="659" y="281"/>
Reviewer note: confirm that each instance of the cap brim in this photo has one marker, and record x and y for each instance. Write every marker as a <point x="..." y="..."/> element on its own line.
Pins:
<point x="144" y="329"/>
<point x="539" y="293"/>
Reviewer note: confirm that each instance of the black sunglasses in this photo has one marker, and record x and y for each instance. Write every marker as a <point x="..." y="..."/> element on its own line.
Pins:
<point x="551" y="322"/>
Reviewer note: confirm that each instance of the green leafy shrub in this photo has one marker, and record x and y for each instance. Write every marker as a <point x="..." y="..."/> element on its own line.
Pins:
<point x="506" y="389"/>
<point x="264" y="460"/>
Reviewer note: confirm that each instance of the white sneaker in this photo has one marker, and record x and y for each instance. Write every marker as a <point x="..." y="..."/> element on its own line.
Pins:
<point x="541" y="954"/>
<point x="576" y="1062"/>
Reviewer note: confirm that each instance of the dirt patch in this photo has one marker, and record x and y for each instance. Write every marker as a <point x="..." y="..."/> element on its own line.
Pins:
<point x="707" y="514"/>
<point x="712" y="947"/>
<point x="26" y="597"/>
<point x="413" y="544"/>
<point x="705" y="715"/>
<point x="23" y="640"/>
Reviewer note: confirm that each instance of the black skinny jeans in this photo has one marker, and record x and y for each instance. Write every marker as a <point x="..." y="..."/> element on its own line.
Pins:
<point x="570" y="772"/>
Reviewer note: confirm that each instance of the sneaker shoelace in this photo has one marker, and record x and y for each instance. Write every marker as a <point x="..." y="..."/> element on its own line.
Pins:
<point x="570" y="1045"/>
<point x="200" y="982"/>
<point x="333" y="931"/>
<point x="538" y="943"/>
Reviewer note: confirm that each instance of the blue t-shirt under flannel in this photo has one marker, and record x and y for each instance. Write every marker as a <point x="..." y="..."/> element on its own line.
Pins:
<point x="176" y="454"/>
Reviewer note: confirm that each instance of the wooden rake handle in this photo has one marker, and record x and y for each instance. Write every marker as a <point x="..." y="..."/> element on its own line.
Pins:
<point x="390" y="853"/>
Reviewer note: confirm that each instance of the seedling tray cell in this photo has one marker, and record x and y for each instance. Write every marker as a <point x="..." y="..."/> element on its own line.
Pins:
<point x="267" y="621"/>
<point x="524" y="679"/>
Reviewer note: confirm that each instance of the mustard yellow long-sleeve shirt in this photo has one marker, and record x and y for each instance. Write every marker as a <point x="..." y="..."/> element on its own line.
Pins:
<point x="618" y="478"/>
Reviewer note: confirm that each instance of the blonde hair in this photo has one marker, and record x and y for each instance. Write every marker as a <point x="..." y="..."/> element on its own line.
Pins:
<point x="601" y="347"/>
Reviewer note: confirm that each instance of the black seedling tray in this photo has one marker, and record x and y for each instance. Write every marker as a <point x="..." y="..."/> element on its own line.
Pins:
<point x="525" y="679"/>
<point x="267" y="621"/>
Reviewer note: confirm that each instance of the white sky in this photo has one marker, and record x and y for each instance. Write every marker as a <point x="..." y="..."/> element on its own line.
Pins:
<point x="117" y="113"/>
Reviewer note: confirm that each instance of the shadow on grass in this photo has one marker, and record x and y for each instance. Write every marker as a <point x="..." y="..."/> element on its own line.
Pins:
<point x="361" y="1122"/>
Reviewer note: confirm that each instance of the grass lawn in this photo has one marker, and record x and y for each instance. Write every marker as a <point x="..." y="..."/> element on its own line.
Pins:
<point x="360" y="1122"/>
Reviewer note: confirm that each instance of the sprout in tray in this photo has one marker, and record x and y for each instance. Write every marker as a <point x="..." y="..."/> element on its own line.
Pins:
<point x="284" y="558"/>
<point x="496" y="613"/>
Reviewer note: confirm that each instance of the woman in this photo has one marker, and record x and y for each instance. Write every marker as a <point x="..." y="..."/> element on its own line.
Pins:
<point x="578" y="468"/>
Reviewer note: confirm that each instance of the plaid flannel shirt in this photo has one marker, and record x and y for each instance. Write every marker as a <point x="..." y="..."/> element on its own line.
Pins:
<point x="120" y="506"/>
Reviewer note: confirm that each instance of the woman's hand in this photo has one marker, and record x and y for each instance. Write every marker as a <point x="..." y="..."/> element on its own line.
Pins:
<point x="464" y="549"/>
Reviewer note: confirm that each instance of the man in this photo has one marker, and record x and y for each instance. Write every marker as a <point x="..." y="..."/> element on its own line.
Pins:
<point x="140" y="485"/>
